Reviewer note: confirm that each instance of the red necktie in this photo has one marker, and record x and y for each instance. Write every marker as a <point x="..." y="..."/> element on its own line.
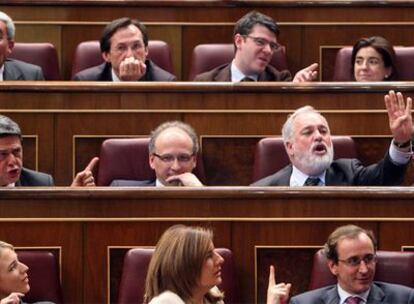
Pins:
<point x="353" y="300"/>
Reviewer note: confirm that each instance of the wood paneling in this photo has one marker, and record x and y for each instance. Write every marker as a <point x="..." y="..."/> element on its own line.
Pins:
<point x="70" y="119"/>
<point x="90" y="224"/>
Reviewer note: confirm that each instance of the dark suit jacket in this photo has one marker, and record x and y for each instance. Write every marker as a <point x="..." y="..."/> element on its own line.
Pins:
<point x="380" y="293"/>
<point x="103" y="72"/>
<point x="347" y="172"/>
<point x="222" y="73"/>
<point x="33" y="178"/>
<point x="19" y="70"/>
<point x="132" y="183"/>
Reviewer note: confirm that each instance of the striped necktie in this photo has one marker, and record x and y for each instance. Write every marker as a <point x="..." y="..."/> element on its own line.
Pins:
<point x="353" y="300"/>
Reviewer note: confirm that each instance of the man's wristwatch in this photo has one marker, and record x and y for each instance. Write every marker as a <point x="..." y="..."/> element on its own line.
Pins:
<point x="402" y="145"/>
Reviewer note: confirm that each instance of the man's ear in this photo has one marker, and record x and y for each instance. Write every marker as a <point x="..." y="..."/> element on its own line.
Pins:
<point x="333" y="267"/>
<point x="289" y="148"/>
<point x="146" y="51"/>
<point x="238" y="39"/>
<point x="151" y="161"/>
<point x="106" y="56"/>
<point x="11" y="46"/>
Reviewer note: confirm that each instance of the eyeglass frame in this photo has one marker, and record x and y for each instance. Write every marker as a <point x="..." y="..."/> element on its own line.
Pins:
<point x="263" y="42"/>
<point x="175" y="157"/>
<point x="355" y="261"/>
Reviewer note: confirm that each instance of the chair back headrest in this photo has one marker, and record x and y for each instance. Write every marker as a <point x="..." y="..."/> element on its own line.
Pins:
<point x="88" y="54"/>
<point x="208" y="56"/>
<point x="41" y="54"/>
<point x="404" y="63"/>
<point x="270" y="155"/>
<point x="128" y="159"/>
<point x="43" y="276"/>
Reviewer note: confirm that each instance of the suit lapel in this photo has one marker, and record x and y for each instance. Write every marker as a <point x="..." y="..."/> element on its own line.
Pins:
<point x="376" y="295"/>
<point x="331" y="296"/>
<point x="333" y="178"/>
<point x="223" y="74"/>
<point x="10" y="71"/>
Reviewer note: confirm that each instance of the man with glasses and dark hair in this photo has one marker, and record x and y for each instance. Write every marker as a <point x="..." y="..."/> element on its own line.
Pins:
<point x="255" y="41"/>
<point x="12" y="172"/>
<point x="350" y="251"/>
<point x="173" y="149"/>
<point x="124" y="47"/>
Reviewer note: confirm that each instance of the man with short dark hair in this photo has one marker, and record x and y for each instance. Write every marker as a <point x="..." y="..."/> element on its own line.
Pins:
<point x="12" y="69"/>
<point x="351" y="254"/>
<point x="173" y="149"/>
<point x="255" y="41"/>
<point x="124" y="47"/>
<point x="308" y="143"/>
<point x="12" y="172"/>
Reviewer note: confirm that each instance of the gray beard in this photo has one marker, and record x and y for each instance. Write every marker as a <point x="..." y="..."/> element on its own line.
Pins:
<point x="314" y="165"/>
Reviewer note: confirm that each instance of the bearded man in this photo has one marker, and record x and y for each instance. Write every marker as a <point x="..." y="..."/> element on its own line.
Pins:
<point x="308" y="143"/>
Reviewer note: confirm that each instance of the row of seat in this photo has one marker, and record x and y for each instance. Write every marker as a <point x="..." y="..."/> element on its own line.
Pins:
<point x="205" y="57"/>
<point x="270" y="156"/>
<point x="45" y="284"/>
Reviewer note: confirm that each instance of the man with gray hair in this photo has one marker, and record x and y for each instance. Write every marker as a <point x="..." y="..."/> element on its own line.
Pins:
<point x="173" y="149"/>
<point x="12" y="172"/>
<point x="11" y="69"/>
<point x="308" y="143"/>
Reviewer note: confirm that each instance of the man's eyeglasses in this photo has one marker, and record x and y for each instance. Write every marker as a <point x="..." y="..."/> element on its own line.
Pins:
<point x="169" y="158"/>
<point x="123" y="48"/>
<point x="355" y="261"/>
<point x="262" y="42"/>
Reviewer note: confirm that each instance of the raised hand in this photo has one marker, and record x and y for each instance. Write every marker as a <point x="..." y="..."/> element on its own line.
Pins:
<point x="85" y="177"/>
<point x="307" y="74"/>
<point x="277" y="293"/>
<point x="399" y="116"/>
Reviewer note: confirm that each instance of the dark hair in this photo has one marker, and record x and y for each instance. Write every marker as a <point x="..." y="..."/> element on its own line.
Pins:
<point x="383" y="47"/>
<point x="246" y="23"/>
<point x="345" y="232"/>
<point x="117" y="24"/>
<point x="9" y="128"/>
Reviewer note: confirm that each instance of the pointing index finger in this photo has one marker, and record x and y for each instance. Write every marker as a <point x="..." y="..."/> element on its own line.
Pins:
<point x="92" y="164"/>
<point x="272" y="279"/>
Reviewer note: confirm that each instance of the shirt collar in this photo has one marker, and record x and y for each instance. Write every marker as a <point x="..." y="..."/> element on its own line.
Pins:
<point x="298" y="178"/>
<point x="2" y="72"/>
<point x="158" y="183"/>
<point x="114" y="77"/>
<point x="343" y="295"/>
<point x="237" y="75"/>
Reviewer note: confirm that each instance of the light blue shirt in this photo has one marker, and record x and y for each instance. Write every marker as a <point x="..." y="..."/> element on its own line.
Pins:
<point x="343" y="295"/>
<point x="237" y="75"/>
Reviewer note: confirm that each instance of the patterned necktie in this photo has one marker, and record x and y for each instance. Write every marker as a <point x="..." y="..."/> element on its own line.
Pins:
<point x="353" y="300"/>
<point x="247" y="79"/>
<point x="312" y="181"/>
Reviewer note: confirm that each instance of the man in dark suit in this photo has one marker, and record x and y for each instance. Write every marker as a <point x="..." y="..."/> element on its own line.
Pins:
<point x="11" y="69"/>
<point x="173" y="149"/>
<point x="350" y="251"/>
<point x="124" y="47"/>
<point x="12" y="172"/>
<point x="255" y="41"/>
<point x="308" y="143"/>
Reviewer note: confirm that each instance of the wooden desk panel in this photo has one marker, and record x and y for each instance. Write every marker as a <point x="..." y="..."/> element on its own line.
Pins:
<point x="70" y="119"/>
<point x="87" y="223"/>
